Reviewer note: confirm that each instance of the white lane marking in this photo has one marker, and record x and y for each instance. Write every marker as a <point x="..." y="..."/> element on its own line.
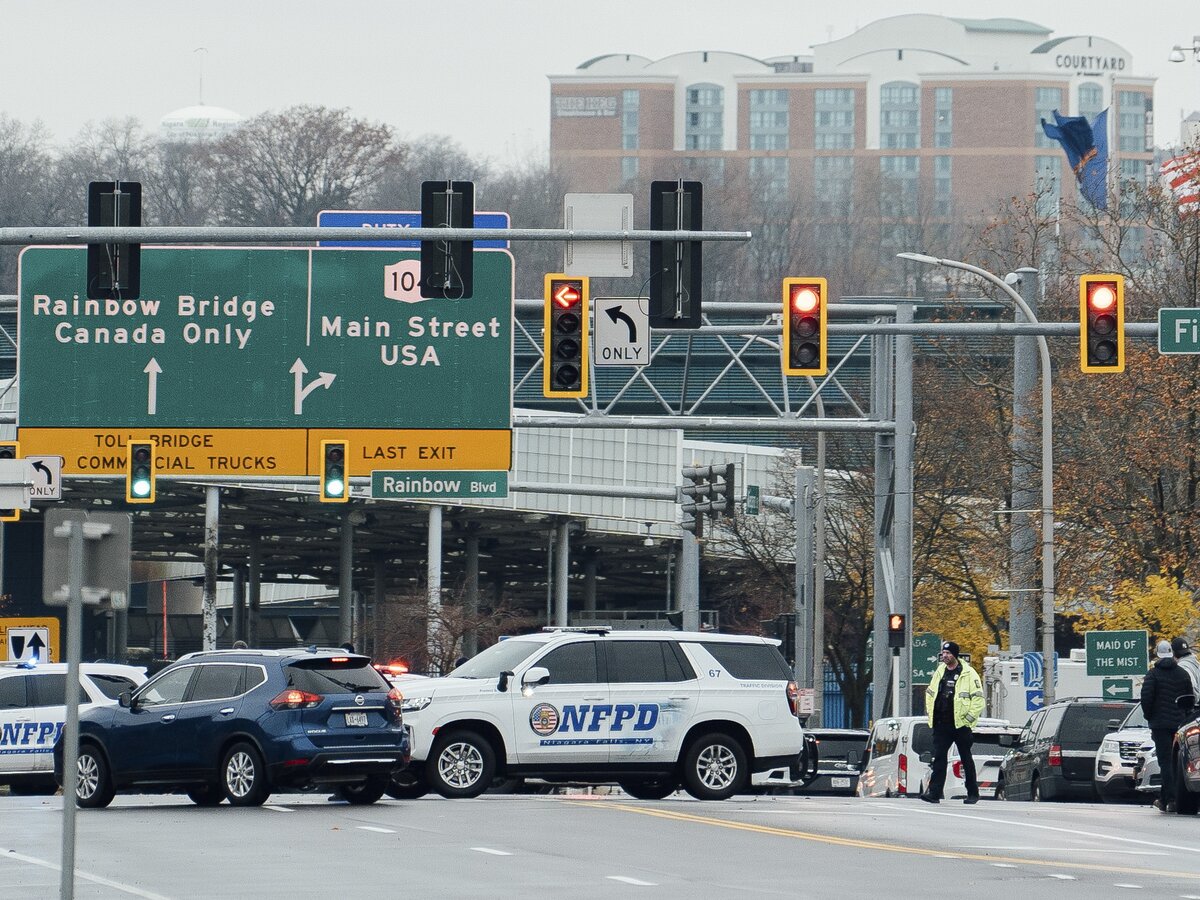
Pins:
<point x="278" y="808"/>
<point x="1061" y="877"/>
<point x="1135" y="887"/>
<point x="1189" y="897"/>
<point x="491" y="851"/>
<point x="1103" y="850"/>
<point x="1074" y="832"/>
<point x="376" y="829"/>
<point x="624" y="879"/>
<point x="5" y="853"/>
<point x="1004" y="865"/>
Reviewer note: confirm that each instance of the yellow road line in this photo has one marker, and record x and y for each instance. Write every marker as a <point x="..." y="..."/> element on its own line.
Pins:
<point x="876" y="845"/>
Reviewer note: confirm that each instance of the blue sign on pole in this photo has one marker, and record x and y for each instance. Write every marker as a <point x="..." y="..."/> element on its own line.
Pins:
<point x="392" y="221"/>
<point x="1034" y="700"/>
<point x="1033" y="669"/>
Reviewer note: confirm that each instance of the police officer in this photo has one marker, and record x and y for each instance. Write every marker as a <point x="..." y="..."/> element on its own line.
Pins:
<point x="954" y="699"/>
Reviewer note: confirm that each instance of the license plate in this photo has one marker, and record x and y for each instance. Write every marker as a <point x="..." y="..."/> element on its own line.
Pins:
<point x="840" y="782"/>
<point x="356" y="718"/>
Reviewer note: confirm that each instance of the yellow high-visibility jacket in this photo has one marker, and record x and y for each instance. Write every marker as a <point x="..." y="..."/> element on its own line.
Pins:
<point x="968" y="695"/>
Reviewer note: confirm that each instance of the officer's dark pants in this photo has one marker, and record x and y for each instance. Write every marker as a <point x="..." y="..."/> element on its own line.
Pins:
<point x="1164" y="740"/>
<point x="943" y="739"/>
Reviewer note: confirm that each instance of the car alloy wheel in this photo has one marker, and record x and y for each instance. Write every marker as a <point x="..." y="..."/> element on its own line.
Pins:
<point x="714" y="767"/>
<point x="243" y="778"/>
<point x="93" y="785"/>
<point x="463" y="764"/>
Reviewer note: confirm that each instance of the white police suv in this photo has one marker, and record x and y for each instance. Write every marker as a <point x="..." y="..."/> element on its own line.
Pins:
<point x="33" y="710"/>
<point x="653" y="711"/>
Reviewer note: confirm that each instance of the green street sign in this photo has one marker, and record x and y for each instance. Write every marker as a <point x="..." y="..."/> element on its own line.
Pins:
<point x="1179" y="330"/>
<point x="1117" y="652"/>
<point x="753" y="500"/>
<point x="1116" y="688"/>
<point x="438" y="485"/>
<point x="926" y="648"/>
<point x="264" y="338"/>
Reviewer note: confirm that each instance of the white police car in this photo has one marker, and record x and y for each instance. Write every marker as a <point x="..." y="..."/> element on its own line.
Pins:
<point x="653" y="711"/>
<point x="33" y="711"/>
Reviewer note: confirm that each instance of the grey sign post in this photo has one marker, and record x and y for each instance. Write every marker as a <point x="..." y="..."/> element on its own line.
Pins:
<point x="68" y="531"/>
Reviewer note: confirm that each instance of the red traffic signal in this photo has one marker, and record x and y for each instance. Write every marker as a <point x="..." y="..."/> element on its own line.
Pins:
<point x="1101" y="323"/>
<point x="565" y="337"/>
<point x="805" y="313"/>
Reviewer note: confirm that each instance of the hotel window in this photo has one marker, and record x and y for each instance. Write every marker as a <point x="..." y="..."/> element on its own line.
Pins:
<point x="1131" y="127"/>
<point x="833" y="185"/>
<point x="899" y="185"/>
<point x="768" y="120"/>
<point x="943" y="117"/>
<point x="943" y="186"/>
<point x="1091" y="100"/>
<point x="769" y="177"/>
<point x="704" y="117"/>
<point x="899" y="116"/>
<point x="630" y="119"/>
<point x="833" y="121"/>
<point x="1047" y="184"/>
<point x="1045" y="100"/>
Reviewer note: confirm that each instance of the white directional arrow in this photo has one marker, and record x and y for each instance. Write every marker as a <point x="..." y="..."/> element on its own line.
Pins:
<point x="323" y="379"/>
<point x="152" y="370"/>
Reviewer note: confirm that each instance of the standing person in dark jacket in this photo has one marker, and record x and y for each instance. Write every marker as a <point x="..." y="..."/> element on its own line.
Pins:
<point x="1164" y="683"/>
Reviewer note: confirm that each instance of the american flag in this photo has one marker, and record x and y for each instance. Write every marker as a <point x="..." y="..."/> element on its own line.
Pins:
<point x="1180" y="177"/>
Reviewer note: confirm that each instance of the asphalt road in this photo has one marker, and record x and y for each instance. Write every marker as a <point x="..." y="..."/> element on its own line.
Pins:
<point x="606" y="845"/>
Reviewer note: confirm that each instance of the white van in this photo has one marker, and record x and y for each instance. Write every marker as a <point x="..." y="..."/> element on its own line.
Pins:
<point x="899" y="754"/>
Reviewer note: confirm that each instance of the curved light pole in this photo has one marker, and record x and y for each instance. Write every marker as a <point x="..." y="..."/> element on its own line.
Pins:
<point x="1047" y="462"/>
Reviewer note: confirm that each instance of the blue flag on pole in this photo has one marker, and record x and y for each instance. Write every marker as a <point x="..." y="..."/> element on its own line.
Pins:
<point x="1087" y="152"/>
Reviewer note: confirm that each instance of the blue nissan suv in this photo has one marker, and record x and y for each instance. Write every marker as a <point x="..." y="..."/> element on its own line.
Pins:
<point x="237" y="725"/>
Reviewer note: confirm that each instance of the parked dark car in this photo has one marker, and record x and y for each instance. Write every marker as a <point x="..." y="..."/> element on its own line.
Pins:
<point x="237" y="725"/>
<point x="1186" y="759"/>
<point x="1054" y="757"/>
<point x="840" y="755"/>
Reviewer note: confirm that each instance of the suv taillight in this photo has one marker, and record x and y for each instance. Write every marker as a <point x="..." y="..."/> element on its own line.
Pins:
<point x="396" y="700"/>
<point x="295" y="699"/>
<point x="793" y="698"/>
<point x="902" y="774"/>
<point x="1055" y="757"/>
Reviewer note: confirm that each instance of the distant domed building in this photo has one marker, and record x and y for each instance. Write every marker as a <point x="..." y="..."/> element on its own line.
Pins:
<point x="198" y="123"/>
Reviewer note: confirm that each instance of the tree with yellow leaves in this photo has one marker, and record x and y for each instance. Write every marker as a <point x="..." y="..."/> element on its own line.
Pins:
<point x="1158" y="605"/>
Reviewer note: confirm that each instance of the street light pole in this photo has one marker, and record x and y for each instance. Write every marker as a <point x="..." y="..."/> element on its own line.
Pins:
<point x="1047" y="461"/>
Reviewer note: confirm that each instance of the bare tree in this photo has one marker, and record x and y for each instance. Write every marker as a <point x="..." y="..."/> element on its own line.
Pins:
<point x="283" y="168"/>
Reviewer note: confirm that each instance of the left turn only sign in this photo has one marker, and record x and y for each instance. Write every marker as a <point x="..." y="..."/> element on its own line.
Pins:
<point x="27" y="640"/>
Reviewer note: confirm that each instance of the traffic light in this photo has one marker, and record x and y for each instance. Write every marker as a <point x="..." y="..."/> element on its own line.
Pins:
<point x="1102" y="323"/>
<point x="114" y="271"/>
<point x="896" y="634"/>
<point x="675" y="266"/>
<point x="139" y="474"/>
<point x="565" y="337"/>
<point x="724" y="491"/>
<point x="335" y="486"/>
<point x="10" y="450"/>
<point x="446" y="266"/>
<point x="696" y="499"/>
<point x="805" y="310"/>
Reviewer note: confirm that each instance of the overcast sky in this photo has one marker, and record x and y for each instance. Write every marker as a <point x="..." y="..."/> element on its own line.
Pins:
<point x="476" y="71"/>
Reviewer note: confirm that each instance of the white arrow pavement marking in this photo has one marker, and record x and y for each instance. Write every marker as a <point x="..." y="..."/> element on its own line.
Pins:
<point x="153" y="370"/>
<point x="324" y="379"/>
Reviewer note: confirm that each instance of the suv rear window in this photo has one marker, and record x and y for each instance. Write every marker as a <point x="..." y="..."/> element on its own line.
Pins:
<point x="1085" y="725"/>
<point x="325" y="676"/>
<point x="922" y="738"/>
<point x="750" y="662"/>
<point x="839" y="749"/>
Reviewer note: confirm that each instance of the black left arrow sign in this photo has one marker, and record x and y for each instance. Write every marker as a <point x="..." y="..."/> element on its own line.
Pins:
<point x="615" y="313"/>
<point x="42" y="467"/>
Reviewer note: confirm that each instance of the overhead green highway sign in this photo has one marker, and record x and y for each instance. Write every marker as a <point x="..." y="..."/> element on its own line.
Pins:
<point x="264" y="338"/>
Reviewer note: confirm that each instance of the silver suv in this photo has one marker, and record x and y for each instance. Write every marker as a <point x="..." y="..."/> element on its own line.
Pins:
<point x="653" y="711"/>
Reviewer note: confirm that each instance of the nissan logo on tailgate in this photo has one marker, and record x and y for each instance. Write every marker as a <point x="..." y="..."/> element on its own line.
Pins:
<point x="358" y="699"/>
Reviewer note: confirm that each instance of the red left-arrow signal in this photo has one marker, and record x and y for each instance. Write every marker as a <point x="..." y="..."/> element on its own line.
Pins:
<point x="567" y="295"/>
